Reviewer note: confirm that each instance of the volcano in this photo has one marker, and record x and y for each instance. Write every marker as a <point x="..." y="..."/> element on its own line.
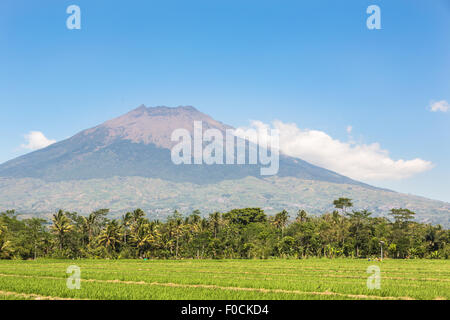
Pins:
<point x="126" y="163"/>
<point x="139" y="144"/>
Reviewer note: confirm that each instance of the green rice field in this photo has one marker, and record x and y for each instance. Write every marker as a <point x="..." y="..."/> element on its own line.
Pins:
<point x="225" y="279"/>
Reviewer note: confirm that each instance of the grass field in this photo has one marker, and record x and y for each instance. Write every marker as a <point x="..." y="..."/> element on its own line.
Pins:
<point x="225" y="279"/>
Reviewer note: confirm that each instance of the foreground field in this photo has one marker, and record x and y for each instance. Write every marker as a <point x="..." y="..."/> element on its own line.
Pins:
<point x="225" y="279"/>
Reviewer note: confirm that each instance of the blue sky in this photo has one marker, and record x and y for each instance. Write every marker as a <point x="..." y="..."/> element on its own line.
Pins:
<point x="312" y="63"/>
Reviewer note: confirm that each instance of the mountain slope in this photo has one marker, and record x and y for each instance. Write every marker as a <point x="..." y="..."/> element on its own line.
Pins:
<point x="125" y="163"/>
<point x="138" y="144"/>
<point x="160" y="198"/>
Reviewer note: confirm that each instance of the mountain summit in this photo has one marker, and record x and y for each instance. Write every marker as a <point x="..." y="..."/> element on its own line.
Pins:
<point x="153" y="125"/>
<point x="125" y="163"/>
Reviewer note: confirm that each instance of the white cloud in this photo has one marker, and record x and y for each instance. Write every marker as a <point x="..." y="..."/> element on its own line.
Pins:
<point x="366" y="162"/>
<point x="36" y="140"/>
<point x="441" y="106"/>
<point x="349" y="129"/>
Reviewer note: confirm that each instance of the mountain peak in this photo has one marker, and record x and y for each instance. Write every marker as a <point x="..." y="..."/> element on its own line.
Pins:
<point x="153" y="125"/>
<point x="162" y="110"/>
<point x="141" y="108"/>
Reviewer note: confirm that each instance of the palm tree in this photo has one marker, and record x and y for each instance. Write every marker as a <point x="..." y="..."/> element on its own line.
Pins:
<point x="61" y="226"/>
<point x="144" y="235"/>
<point x="358" y="221"/>
<point x="216" y="219"/>
<point x="126" y="221"/>
<point x="4" y="243"/>
<point x="178" y="231"/>
<point x="137" y="215"/>
<point x="89" y="223"/>
<point x="110" y="236"/>
<point x="175" y="228"/>
<point x="194" y="218"/>
<point x="302" y="216"/>
<point x="280" y="220"/>
<point x="94" y="222"/>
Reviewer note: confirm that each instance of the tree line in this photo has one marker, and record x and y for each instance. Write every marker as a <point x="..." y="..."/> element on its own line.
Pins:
<point x="237" y="234"/>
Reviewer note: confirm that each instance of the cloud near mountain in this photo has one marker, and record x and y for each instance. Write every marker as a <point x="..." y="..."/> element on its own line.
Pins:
<point x="367" y="162"/>
<point x="36" y="140"/>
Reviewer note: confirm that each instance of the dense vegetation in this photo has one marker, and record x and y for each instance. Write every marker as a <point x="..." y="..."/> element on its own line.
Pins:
<point x="239" y="233"/>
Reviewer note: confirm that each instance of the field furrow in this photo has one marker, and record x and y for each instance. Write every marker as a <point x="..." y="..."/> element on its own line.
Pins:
<point x="225" y="279"/>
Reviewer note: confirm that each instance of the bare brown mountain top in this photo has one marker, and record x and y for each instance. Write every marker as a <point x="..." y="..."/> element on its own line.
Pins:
<point x="154" y="124"/>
